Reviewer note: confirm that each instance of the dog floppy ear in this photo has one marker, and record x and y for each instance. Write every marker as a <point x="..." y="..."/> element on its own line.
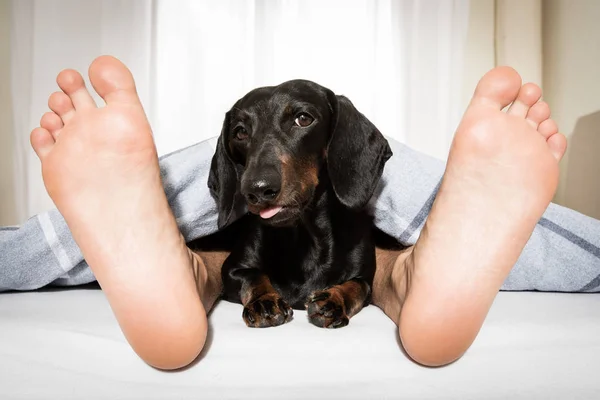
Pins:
<point x="223" y="180"/>
<point x="356" y="154"/>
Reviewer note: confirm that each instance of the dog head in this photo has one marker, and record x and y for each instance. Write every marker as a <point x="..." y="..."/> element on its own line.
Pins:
<point x="276" y="141"/>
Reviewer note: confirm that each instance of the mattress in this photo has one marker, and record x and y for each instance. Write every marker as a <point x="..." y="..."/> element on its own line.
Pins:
<point x="65" y="344"/>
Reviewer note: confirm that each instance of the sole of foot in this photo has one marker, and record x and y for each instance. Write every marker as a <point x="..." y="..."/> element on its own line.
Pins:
<point x="100" y="167"/>
<point x="501" y="175"/>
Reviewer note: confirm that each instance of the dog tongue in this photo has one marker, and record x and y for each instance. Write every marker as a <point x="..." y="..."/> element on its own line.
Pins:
<point x="269" y="212"/>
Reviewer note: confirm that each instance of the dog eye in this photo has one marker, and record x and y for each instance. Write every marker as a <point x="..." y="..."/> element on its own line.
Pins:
<point x="303" y="120"/>
<point x="240" y="133"/>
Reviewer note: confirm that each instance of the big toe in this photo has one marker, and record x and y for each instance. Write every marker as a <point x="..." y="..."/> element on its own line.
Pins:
<point x="498" y="88"/>
<point x="113" y="81"/>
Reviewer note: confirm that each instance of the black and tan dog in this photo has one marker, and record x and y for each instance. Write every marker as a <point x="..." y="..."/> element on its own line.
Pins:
<point x="305" y="162"/>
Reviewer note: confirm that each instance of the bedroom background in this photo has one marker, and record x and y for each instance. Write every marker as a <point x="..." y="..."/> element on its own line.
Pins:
<point x="410" y="66"/>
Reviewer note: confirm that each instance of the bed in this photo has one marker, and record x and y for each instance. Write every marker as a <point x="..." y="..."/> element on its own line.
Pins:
<point x="66" y="344"/>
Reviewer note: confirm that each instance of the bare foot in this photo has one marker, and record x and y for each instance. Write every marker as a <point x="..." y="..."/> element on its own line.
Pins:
<point x="501" y="175"/>
<point x="100" y="168"/>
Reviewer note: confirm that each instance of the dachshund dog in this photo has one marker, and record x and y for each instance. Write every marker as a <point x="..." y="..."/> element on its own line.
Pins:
<point x="305" y="163"/>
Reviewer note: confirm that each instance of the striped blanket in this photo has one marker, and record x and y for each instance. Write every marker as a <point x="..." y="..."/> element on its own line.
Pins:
<point x="563" y="253"/>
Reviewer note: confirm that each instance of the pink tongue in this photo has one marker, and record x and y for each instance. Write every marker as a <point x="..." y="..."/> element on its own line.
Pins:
<point x="269" y="212"/>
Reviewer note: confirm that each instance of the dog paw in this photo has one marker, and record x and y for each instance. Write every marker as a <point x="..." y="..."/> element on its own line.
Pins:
<point x="267" y="310"/>
<point x="326" y="309"/>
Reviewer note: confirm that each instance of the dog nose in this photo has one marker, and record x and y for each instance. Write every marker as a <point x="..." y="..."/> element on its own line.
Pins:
<point x="262" y="189"/>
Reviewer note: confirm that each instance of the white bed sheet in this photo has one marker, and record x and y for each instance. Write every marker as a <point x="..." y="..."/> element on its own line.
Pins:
<point x="66" y="345"/>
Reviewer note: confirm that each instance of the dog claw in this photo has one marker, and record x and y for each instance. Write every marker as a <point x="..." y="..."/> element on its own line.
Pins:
<point x="248" y="316"/>
<point x="340" y="323"/>
<point x="287" y="311"/>
<point x="326" y="310"/>
<point x="267" y="310"/>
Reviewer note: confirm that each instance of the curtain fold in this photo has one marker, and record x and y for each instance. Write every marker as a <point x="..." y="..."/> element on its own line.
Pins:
<point x="400" y="62"/>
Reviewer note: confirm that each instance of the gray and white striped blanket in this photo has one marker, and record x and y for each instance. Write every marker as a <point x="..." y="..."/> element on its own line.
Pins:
<point x="563" y="253"/>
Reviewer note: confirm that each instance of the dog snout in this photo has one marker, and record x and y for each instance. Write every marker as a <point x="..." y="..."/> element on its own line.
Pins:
<point x="261" y="187"/>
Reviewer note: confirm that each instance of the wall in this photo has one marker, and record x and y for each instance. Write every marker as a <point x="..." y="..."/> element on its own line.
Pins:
<point x="7" y="199"/>
<point x="571" y="76"/>
<point x="518" y="38"/>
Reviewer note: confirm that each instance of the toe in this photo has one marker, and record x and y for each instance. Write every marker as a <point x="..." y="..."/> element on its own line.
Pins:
<point x="558" y="145"/>
<point x="41" y="141"/>
<point x="528" y="95"/>
<point x="62" y="105"/>
<point x="498" y="88"/>
<point x="538" y="113"/>
<point x="113" y="81"/>
<point x="547" y="128"/>
<point x="72" y="84"/>
<point x="52" y="123"/>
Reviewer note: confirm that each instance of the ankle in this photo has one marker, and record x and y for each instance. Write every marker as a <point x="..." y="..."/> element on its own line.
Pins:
<point x="207" y="274"/>
<point x="392" y="281"/>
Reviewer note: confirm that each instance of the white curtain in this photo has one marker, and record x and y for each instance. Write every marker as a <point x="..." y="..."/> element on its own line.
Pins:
<point x="48" y="36"/>
<point x="400" y="62"/>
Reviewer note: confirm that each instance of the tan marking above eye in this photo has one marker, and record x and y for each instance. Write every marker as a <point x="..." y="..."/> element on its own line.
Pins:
<point x="285" y="158"/>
